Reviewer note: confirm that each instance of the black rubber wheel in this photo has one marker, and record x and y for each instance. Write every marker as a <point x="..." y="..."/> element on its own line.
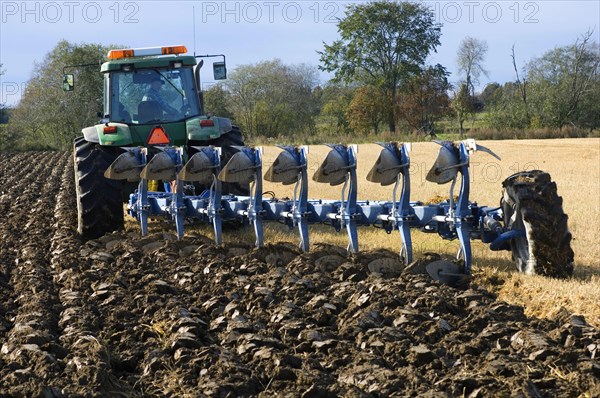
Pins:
<point x="226" y="142"/>
<point x="99" y="200"/>
<point x="530" y="201"/>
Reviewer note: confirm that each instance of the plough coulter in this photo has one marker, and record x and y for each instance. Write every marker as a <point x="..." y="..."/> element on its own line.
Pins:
<point x="453" y="219"/>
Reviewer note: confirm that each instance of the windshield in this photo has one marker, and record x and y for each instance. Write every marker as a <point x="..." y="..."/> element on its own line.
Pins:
<point x="152" y="95"/>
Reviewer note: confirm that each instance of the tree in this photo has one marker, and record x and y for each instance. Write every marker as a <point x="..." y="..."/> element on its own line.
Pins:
<point x="470" y="57"/>
<point x="3" y="111"/>
<point x="367" y="109"/>
<point x="48" y="117"/>
<point x="382" y="43"/>
<point x="424" y="99"/>
<point x="506" y="110"/>
<point x="489" y="93"/>
<point x="216" y="100"/>
<point x="560" y="88"/>
<point x="462" y="105"/>
<point x="5" y="138"/>
<point x="521" y="84"/>
<point x="335" y="100"/>
<point x="563" y="83"/>
<point x="271" y="99"/>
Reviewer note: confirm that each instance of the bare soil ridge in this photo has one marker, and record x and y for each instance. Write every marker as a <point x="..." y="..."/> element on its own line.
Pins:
<point x="125" y="316"/>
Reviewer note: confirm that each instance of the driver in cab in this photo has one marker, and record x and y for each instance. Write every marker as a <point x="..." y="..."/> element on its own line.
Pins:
<point x="153" y="94"/>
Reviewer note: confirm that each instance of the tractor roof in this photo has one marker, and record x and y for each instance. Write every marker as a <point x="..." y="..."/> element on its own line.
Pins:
<point x="149" y="57"/>
<point x="148" y="62"/>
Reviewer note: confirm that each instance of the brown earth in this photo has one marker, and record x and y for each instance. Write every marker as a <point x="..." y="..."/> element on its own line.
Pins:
<point x="125" y="316"/>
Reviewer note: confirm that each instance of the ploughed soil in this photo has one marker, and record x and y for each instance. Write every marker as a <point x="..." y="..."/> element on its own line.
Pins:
<point x="130" y="316"/>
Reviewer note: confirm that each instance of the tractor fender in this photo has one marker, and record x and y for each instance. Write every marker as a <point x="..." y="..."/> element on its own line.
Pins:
<point x="96" y="134"/>
<point x="225" y="125"/>
<point x="197" y="132"/>
<point x="90" y="134"/>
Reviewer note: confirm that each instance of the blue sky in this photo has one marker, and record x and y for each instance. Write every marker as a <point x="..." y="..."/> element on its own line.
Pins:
<point x="251" y="31"/>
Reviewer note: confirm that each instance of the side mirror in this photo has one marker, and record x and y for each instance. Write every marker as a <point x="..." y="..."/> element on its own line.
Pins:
<point x="68" y="82"/>
<point x="219" y="71"/>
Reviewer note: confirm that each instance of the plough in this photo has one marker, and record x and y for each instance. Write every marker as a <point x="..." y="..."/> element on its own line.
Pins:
<point x="451" y="219"/>
<point x="144" y="139"/>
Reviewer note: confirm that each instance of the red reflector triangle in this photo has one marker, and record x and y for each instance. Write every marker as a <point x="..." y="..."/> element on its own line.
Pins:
<point x="158" y="136"/>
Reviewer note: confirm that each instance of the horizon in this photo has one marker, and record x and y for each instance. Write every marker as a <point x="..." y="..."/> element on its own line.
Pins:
<point x="292" y="31"/>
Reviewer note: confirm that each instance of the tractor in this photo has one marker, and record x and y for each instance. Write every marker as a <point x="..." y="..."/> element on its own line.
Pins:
<point x="152" y="97"/>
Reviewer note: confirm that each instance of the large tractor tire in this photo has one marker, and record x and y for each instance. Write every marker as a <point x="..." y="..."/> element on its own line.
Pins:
<point x="530" y="202"/>
<point x="226" y="142"/>
<point x="99" y="200"/>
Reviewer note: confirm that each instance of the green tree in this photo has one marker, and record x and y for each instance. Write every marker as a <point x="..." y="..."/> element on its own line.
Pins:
<point x="271" y="99"/>
<point x="563" y="84"/>
<point x="367" y="109"/>
<point x="216" y="99"/>
<point x="382" y="43"/>
<point x="462" y="105"/>
<point x="3" y="111"/>
<point x="1" y="103"/>
<point x="489" y="93"/>
<point x="48" y="117"/>
<point x="5" y="139"/>
<point x="588" y="113"/>
<point x="335" y="100"/>
<point x="506" y="109"/>
<point x="560" y="88"/>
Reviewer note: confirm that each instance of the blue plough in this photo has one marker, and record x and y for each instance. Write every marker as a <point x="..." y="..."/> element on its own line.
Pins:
<point x="451" y="219"/>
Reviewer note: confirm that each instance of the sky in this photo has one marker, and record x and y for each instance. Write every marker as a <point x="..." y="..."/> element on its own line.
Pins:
<point x="293" y="31"/>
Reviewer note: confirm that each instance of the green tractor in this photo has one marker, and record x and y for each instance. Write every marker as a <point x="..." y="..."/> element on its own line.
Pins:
<point x="152" y="98"/>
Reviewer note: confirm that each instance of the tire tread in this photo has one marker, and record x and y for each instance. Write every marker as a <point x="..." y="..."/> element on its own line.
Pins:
<point x="535" y="196"/>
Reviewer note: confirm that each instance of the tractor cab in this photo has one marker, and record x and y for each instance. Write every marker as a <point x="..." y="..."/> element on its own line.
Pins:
<point x="149" y="87"/>
<point x="160" y="95"/>
<point x="152" y="85"/>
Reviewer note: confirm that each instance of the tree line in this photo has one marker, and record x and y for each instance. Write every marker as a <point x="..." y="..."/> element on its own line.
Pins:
<point x="380" y="82"/>
<point x="560" y="89"/>
<point x="46" y="117"/>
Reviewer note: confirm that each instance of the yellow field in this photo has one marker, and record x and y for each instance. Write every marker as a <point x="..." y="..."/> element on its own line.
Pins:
<point x="573" y="163"/>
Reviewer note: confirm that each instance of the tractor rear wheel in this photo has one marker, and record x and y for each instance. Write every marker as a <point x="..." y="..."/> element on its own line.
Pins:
<point x="99" y="200"/>
<point x="530" y="202"/>
<point x="226" y="142"/>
